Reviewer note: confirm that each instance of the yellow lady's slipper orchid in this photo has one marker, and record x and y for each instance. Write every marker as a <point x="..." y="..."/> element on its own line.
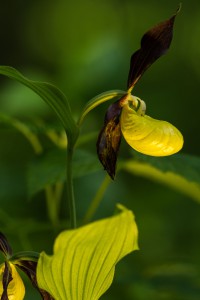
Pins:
<point x="15" y="289"/>
<point x="127" y="115"/>
<point x="147" y="135"/>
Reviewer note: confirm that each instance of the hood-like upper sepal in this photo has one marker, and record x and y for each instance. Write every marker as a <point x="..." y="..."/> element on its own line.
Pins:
<point x="154" y="43"/>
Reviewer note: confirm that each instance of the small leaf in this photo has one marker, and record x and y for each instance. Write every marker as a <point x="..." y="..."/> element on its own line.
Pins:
<point x="83" y="264"/>
<point x="99" y="99"/>
<point x="109" y="139"/>
<point x="51" y="95"/>
<point x="179" y="171"/>
<point x="13" y="286"/>
<point x="154" y="44"/>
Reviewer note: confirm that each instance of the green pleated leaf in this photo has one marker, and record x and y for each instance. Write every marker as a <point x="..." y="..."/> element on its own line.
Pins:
<point x="99" y="99"/>
<point x="51" y="95"/>
<point x="83" y="264"/>
<point x="49" y="168"/>
<point x="179" y="171"/>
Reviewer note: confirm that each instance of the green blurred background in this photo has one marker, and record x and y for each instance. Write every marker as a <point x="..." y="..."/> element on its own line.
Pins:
<point x="84" y="48"/>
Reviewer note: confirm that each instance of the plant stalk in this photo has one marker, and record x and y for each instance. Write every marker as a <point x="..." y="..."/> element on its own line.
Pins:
<point x="70" y="187"/>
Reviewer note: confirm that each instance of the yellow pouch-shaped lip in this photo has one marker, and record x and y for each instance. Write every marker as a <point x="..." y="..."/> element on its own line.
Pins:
<point x="149" y="136"/>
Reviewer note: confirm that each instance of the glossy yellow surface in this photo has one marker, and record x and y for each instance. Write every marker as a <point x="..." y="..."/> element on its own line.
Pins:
<point x="16" y="289"/>
<point x="149" y="136"/>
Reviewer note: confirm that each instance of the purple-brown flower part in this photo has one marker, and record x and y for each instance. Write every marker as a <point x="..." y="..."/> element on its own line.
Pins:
<point x="29" y="268"/>
<point x="154" y="43"/>
<point x="7" y="277"/>
<point x="4" y="245"/>
<point x="109" y="139"/>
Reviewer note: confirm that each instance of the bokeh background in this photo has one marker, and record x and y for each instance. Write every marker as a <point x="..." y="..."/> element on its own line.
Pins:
<point x="84" y="48"/>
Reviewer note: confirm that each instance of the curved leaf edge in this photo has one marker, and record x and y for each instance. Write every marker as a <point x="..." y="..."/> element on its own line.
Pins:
<point x="53" y="96"/>
<point x="60" y="272"/>
<point x="168" y="178"/>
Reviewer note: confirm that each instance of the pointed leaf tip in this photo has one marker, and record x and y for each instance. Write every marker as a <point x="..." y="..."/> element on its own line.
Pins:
<point x="154" y="43"/>
<point x="83" y="264"/>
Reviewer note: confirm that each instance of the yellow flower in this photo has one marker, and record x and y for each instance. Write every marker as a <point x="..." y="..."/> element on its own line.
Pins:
<point x="127" y="115"/>
<point x="15" y="289"/>
<point x="145" y="134"/>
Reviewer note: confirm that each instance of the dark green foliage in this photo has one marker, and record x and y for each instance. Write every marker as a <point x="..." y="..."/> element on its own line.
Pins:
<point x="84" y="48"/>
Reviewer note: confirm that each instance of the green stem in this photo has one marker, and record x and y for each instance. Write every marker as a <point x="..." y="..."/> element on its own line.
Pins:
<point x="70" y="187"/>
<point x="97" y="199"/>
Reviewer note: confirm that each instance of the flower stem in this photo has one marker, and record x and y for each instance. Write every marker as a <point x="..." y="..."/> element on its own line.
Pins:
<point x="70" y="188"/>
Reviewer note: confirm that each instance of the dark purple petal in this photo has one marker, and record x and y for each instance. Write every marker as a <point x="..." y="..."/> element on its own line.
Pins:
<point x="109" y="139"/>
<point x="7" y="277"/>
<point x="4" y="245"/>
<point x="29" y="268"/>
<point x="154" y="44"/>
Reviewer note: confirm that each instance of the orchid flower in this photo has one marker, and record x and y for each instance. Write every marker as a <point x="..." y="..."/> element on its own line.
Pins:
<point x="127" y="115"/>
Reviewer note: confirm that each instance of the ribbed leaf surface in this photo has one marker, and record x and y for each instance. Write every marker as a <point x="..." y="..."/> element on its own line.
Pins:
<point x="83" y="264"/>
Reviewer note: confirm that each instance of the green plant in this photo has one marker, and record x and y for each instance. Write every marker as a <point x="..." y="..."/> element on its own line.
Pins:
<point x="84" y="259"/>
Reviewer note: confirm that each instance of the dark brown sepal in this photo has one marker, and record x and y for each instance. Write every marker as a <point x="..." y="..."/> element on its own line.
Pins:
<point x="154" y="44"/>
<point x="109" y="139"/>
<point x="4" y="245"/>
<point x="7" y="277"/>
<point x="29" y="268"/>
